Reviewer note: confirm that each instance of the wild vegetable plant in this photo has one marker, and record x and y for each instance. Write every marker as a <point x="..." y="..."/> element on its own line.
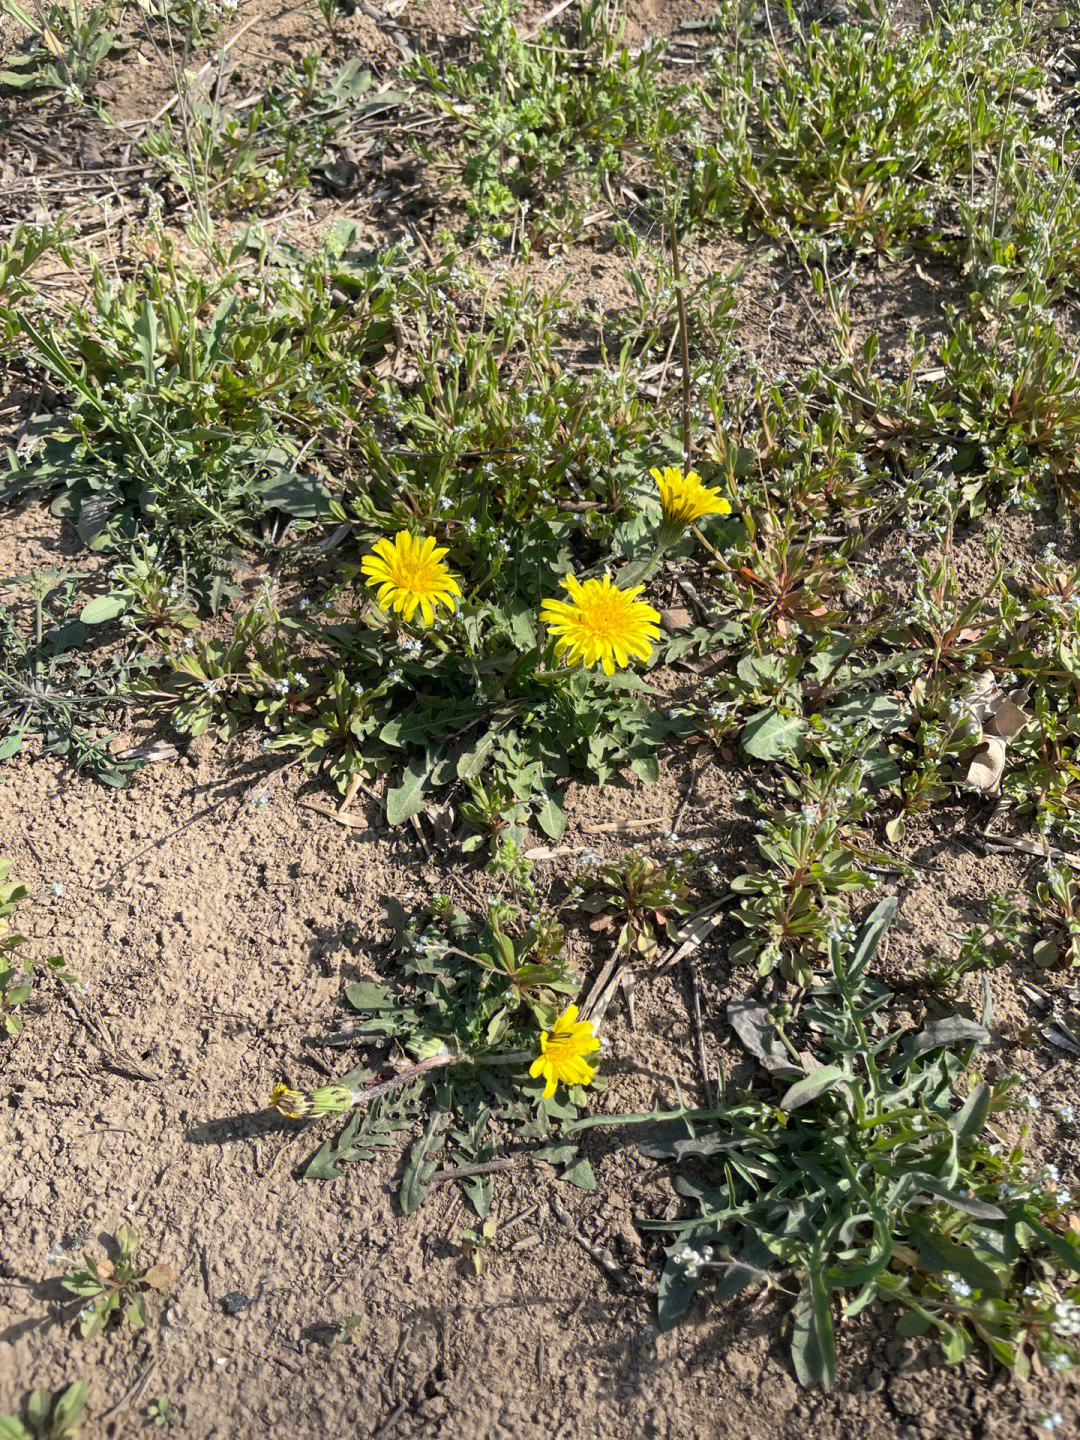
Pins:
<point x="466" y="1012"/>
<point x="116" y="1290"/>
<point x="47" y="1416"/>
<point x="868" y="1166"/>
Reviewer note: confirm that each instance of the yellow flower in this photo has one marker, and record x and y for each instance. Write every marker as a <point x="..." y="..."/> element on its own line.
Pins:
<point x="327" y="1100"/>
<point x="293" y="1103"/>
<point x="685" y="499"/>
<point x="560" y="1058"/>
<point x="408" y="573"/>
<point x="601" y="623"/>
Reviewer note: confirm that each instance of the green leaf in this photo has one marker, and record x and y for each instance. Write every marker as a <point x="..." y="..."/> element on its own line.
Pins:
<point x="815" y="1084"/>
<point x="967" y="1204"/>
<point x="329" y="1161"/>
<point x="956" y="1346"/>
<point x="813" y="1342"/>
<point x="770" y="736"/>
<point x="939" y="1253"/>
<point x="407" y="799"/>
<point x="1066" y="1252"/>
<point x="420" y="1164"/>
<point x="11" y="744"/>
<point x="105" y="607"/>
<point x="913" y="1322"/>
<point x="677" y="1289"/>
<point x="581" y="1175"/>
<point x="869" y="938"/>
<point x="646" y="768"/>
<point x="551" y="817"/>
<point x="369" y="998"/>
<point x="951" y="1030"/>
<point x="968" y="1122"/>
<point x="298" y="495"/>
<point x="472" y="762"/>
<point x="37" y="1409"/>
<point x="145" y="332"/>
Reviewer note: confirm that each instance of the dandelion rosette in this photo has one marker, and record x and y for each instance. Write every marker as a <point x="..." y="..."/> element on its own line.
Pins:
<point x="407" y="574"/>
<point x="562" y="1050"/>
<point x="601" y="624"/>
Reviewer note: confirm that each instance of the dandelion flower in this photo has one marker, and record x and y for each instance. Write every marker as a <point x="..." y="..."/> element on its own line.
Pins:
<point x="560" y="1059"/>
<point x="601" y="624"/>
<point x="408" y="573"/>
<point x="328" y="1100"/>
<point x="684" y="499"/>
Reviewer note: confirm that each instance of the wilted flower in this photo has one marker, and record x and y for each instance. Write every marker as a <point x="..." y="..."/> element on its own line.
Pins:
<point x="328" y="1100"/>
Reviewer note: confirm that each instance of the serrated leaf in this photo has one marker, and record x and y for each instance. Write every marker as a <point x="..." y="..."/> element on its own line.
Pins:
<point x="329" y="1160"/>
<point x="421" y="1164"/>
<point x="368" y="997"/>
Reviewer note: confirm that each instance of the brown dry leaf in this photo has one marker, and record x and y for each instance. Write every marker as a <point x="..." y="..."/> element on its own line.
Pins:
<point x="552" y="852"/>
<point x="692" y="932"/>
<point x="675" y="619"/>
<point x="160" y="1277"/>
<point x="999" y="717"/>
<point x="987" y="765"/>
<point x="351" y="822"/>
<point x="1008" y="719"/>
<point x="440" y="817"/>
<point x="624" y="827"/>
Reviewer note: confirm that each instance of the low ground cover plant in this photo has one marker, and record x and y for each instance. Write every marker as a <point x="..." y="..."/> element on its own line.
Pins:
<point x="453" y="535"/>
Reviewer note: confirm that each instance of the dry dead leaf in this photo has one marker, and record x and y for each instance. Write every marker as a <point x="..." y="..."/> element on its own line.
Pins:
<point x="351" y="822"/>
<point x="624" y="827"/>
<point x="987" y="765"/>
<point x="999" y="717"/>
<point x="552" y="852"/>
<point x="160" y="1277"/>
